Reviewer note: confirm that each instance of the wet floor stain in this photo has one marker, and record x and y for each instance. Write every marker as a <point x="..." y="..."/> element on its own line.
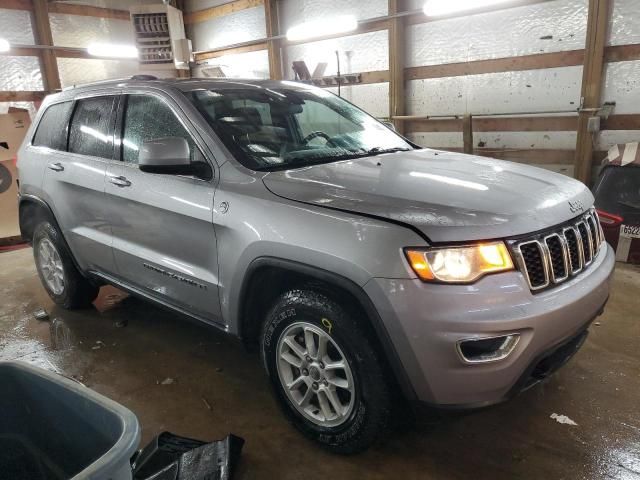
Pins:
<point x="188" y="379"/>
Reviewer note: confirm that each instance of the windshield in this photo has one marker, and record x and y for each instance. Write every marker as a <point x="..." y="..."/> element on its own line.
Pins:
<point x="290" y="127"/>
<point x="618" y="190"/>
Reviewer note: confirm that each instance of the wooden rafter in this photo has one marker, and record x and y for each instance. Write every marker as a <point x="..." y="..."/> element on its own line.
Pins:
<point x="21" y="96"/>
<point x="495" y="65"/>
<point x="70" y="9"/>
<point x="592" y="79"/>
<point x="221" y="10"/>
<point x="251" y="47"/>
<point x="397" y="41"/>
<point x="42" y="32"/>
<point x="88" y="11"/>
<point x="273" y="45"/>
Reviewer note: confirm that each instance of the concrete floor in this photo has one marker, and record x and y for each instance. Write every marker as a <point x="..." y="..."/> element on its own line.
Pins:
<point x="218" y="388"/>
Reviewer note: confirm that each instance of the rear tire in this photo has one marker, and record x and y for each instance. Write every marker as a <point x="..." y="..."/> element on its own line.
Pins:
<point x="61" y="279"/>
<point x="345" y="409"/>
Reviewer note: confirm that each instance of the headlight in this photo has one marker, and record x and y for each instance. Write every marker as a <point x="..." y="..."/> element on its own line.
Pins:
<point x="459" y="264"/>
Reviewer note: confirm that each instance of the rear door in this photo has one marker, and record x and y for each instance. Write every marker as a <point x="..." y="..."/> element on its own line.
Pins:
<point x="163" y="237"/>
<point x="74" y="180"/>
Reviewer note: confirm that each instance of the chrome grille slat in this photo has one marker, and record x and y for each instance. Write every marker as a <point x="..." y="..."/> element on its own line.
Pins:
<point x="552" y="258"/>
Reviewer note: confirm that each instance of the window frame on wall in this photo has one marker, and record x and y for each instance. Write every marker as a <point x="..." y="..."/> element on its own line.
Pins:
<point x="120" y="117"/>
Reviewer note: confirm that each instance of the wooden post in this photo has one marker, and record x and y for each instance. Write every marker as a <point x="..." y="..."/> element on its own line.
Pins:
<point x="467" y="134"/>
<point x="397" y="42"/>
<point x="42" y="32"/>
<point x="273" y="46"/>
<point x="591" y="92"/>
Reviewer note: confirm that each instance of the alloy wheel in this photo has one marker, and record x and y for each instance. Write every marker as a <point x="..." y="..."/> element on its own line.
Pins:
<point x="315" y="374"/>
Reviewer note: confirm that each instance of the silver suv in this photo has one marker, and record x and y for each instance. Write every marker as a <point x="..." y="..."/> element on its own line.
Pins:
<point x="369" y="272"/>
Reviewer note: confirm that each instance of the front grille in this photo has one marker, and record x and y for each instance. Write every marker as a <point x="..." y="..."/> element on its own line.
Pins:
<point x="533" y="260"/>
<point x="552" y="257"/>
<point x="558" y="257"/>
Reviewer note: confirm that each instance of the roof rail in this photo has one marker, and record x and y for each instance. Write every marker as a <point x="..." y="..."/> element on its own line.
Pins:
<point x="144" y="77"/>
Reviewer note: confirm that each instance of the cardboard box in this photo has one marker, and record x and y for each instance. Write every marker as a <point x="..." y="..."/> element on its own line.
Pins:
<point x="13" y="128"/>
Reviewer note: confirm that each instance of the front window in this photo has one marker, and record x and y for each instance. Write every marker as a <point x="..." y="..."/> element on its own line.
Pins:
<point x="618" y="190"/>
<point x="290" y="127"/>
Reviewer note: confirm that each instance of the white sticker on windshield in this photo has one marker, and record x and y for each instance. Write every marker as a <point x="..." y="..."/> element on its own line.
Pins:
<point x="613" y="153"/>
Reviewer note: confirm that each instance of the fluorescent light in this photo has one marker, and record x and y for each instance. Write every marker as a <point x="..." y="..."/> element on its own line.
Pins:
<point x="440" y="8"/>
<point x="321" y="28"/>
<point x="111" y="50"/>
<point x="4" y="45"/>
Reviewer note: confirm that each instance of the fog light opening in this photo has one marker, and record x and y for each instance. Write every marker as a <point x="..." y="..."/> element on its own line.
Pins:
<point x="487" y="349"/>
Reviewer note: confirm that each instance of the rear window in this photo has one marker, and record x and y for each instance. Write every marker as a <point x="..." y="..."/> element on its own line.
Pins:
<point x="91" y="131"/>
<point x="52" y="129"/>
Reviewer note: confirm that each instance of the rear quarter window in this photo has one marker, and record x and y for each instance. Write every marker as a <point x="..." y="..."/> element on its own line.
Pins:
<point x="52" y="129"/>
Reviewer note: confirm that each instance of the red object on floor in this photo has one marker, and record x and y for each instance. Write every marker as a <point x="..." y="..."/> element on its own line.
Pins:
<point x="9" y="248"/>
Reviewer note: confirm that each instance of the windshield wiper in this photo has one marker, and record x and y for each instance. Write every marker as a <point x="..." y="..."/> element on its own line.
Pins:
<point x="380" y="150"/>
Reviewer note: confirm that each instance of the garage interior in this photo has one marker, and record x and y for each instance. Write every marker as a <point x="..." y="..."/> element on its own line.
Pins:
<point x="549" y="83"/>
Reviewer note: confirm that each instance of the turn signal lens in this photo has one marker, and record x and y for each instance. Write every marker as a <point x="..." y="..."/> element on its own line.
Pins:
<point x="459" y="264"/>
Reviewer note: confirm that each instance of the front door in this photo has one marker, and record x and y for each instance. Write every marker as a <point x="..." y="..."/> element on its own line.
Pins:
<point x="163" y="237"/>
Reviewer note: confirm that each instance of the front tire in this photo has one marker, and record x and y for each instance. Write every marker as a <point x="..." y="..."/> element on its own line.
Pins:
<point x="325" y="372"/>
<point x="59" y="276"/>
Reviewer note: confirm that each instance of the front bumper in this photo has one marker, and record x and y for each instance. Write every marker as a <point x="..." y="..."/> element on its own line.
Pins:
<point x="425" y="321"/>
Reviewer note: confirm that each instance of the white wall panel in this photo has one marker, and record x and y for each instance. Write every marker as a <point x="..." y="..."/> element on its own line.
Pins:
<point x="15" y="26"/>
<point x="625" y="22"/>
<point x="503" y="33"/>
<point x="79" y="31"/>
<point x="622" y="85"/>
<point x="241" y="65"/>
<point x="358" y="53"/>
<point x="526" y="140"/>
<point x="437" y="139"/>
<point x="373" y="98"/>
<point x="507" y="92"/>
<point x="20" y="73"/>
<point x="293" y="12"/>
<point x="76" y="71"/>
<point x="519" y="140"/>
<point x="237" y="27"/>
<point x="609" y="138"/>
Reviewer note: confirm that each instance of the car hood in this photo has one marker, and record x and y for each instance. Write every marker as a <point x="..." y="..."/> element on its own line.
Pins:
<point x="447" y="196"/>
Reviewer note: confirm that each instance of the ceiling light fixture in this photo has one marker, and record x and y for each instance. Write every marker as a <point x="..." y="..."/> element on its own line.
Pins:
<point x="322" y="28"/>
<point x="4" y="45"/>
<point x="441" y="8"/>
<point x="111" y="50"/>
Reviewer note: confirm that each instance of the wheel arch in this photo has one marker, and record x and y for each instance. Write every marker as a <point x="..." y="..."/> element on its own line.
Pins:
<point x="31" y="211"/>
<point x="282" y="274"/>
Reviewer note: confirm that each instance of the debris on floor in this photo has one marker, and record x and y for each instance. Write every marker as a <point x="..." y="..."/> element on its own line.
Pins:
<point x="41" y="314"/>
<point x="167" y="381"/>
<point x="171" y="457"/>
<point x="563" y="419"/>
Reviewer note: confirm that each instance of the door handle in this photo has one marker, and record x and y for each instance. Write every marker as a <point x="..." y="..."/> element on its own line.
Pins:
<point x="56" y="167"/>
<point x="120" y="181"/>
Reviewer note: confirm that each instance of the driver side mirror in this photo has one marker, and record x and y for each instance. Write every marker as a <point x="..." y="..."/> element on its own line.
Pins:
<point x="170" y="156"/>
